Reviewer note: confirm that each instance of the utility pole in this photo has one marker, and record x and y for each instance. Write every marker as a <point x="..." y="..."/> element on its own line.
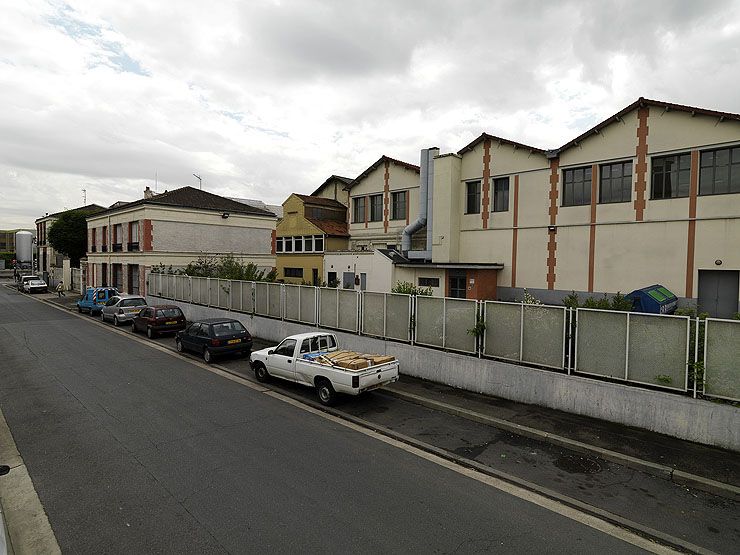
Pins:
<point x="200" y="181"/>
<point x="84" y="197"/>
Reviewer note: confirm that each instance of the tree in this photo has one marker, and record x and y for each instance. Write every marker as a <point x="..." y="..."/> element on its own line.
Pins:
<point x="68" y="235"/>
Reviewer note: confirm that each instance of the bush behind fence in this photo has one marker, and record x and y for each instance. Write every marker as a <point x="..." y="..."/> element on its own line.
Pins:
<point x="632" y="348"/>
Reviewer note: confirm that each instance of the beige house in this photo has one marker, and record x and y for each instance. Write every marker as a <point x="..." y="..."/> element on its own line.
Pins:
<point x="174" y="228"/>
<point x="650" y="195"/>
<point x="383" y="200"/>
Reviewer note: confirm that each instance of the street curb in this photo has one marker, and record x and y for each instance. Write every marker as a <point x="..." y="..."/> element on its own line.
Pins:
<point x="662" y="471"/>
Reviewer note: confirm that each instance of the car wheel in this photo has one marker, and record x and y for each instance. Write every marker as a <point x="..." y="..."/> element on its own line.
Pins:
<point x="102" y="317"/>
<point x="326" y="393"/>
<point x="115" y="321"/>
<point x="150" y="333"/>
<point x="79" y="309"/>
<point x="178" y="345"/>
<point x="207" y="355"/>
<point x="260" y="372"/>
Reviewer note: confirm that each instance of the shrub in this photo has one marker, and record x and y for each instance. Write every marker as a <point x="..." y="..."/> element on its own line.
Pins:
<point x="408" y="288"/>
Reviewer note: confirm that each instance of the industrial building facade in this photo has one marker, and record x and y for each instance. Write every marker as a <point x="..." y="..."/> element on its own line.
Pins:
<point x="650" y="195"/>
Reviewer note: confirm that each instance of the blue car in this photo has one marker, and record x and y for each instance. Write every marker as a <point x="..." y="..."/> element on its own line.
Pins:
<point x="95" y="298"/>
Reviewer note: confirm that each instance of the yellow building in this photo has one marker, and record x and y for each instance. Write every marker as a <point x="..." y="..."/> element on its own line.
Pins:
<point x="311" y="225"/>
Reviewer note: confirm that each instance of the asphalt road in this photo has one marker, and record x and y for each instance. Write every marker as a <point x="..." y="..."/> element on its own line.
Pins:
<point x="133" y="450"/>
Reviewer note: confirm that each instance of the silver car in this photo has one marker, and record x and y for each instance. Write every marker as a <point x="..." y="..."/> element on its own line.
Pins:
<point x="35" y="286"/>
<point x="121" y="309"/>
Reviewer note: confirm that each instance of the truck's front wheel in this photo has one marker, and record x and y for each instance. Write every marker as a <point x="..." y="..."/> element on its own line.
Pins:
<point x="326" y="393"/>
<point x="260" y="372"/>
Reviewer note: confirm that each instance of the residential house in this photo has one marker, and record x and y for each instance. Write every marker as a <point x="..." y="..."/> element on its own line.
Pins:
<point x="48" y="258"/>
<point x="173" y="229"/>
<point x="310" y="226"/>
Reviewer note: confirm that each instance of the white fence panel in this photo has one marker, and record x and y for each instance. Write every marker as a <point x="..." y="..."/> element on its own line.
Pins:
<point x="658" y="350"/>
<point x="460" y="316"/>
<point x="601" y="343"/>
<point x="307" y="304"/>
<point x="398" y="316"/>
<point x="430" y="321"/>
<point x="224" y="294"/>
<point x="261" y="301"/>
<point x="328" y="307"/>
<point x="373" y="313"/>
<point x="275" y="300"/>
<point x="722" y="358"/>
<point x="247" y="304"/>
<point x="292" y="303"/>
<point x="543" y="337"/>
<point x="503" y="336"/>
<point x="349" y="307"/>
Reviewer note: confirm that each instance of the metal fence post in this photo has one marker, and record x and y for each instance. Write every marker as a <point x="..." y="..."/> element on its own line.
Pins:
<point x="696" y="350"/>
<point x="444" y="322"/>
<point x="521" y="334"/>
<point x="385" y="313"/>
<point x="627" y="350"/>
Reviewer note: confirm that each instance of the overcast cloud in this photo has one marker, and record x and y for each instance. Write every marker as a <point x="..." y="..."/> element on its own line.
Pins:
<point x="264" y="98"/>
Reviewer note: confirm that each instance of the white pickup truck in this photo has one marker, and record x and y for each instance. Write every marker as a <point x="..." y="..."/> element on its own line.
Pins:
<point x="295" y="359"/>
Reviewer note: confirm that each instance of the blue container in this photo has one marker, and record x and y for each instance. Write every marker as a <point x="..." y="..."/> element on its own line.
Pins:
<point x="654" y="299"/>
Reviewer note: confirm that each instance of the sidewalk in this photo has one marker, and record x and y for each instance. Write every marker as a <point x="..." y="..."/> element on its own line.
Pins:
<point x="677" y="459"/>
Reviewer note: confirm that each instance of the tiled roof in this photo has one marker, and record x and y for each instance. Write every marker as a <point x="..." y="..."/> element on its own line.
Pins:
<point x="309" y="199"/>
<point x="641" y="102"/>
<point x="331" y="227"/>
<point x="484" y="136"/>
<point x="89" y="209"/>
<point x="377" y="163"/>
<point x="190" y="197"/>
<point x="343" y="180"/>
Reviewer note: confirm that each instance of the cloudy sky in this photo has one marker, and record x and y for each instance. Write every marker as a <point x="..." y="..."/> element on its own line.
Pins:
<point x="266" y="97"/>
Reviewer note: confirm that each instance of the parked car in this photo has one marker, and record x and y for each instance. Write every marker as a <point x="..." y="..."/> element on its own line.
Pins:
<point x="94" y="299"/>
<point x="158" y="319"/>
<point x="24" y="279"/>
<point x="213" y="337"/>
<point x="35" y="286"/>
<point x="121" y="309"/>
<point x="314" y="359"/>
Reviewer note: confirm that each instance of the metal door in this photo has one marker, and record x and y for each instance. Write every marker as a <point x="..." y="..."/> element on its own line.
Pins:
<point x="348" y="280"/>
<point x="718" y="292"/>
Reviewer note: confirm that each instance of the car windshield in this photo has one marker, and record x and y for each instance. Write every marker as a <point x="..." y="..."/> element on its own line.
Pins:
<point x="227" y="328"/>
<point x="133" y="302"/>
<point x="169" y="313"/>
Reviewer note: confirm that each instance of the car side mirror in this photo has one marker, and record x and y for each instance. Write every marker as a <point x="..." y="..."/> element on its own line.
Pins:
<point x="271" y="351"/>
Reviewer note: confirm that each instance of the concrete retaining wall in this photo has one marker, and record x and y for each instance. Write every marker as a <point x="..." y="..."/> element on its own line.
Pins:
<point x="675" y="415"/>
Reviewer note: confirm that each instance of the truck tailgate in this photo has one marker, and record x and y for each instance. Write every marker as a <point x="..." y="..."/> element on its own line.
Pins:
<point x="375" y="377"/>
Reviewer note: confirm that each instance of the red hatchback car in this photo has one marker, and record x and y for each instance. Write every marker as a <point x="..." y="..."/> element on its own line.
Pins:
<point x="159" y="319"/>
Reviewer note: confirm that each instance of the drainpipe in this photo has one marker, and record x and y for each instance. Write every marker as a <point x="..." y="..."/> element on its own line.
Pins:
<point x="426" y="190"/>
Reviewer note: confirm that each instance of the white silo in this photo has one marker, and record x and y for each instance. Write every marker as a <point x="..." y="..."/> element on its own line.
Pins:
<point x="24" y="249"/>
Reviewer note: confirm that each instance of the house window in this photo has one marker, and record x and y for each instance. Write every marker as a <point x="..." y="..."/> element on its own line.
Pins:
<point x="133" y="236"/>
<point x="287" y="244"/>
<point x="93" y="248"/>
<point x="279" y="244"/>
<point x="398" y="205"/>
<point x="293" y="272"/>
<point x="720" y="171"/>
<point x="577" y="186"/>
<point x="104" y="236"/>
<point x="298" y="244"/>
<point x="615" y="183"/>
<point x="358" y="210"/>
<point x="428" y="282"/>
<point x="472" y="190"/>
<point x="671" y="176"/>
<point x="318" y="243"/>
<point x="501" y="194"/>
<point x="331" y="279"/>
<point x="308" y="243"/>
<point x="457" y="286"/>
<point x="376" y="208"/>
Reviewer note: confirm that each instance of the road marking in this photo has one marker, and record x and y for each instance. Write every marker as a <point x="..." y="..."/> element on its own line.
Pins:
<point x="27" y="523"/>
<point x="530" y="496"/>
